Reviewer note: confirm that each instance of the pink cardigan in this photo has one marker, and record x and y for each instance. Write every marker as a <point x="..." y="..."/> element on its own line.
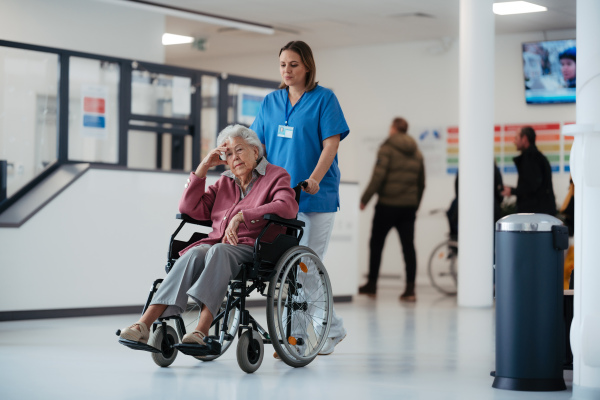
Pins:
<point x="270" y="194"/>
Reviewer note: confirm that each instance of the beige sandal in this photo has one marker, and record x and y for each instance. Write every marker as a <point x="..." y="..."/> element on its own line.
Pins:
<point x="195" y="337"/>
<point x="142" y="335"/>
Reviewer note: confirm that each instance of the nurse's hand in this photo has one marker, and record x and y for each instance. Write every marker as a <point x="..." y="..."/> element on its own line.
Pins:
<point x="312" y="186"/>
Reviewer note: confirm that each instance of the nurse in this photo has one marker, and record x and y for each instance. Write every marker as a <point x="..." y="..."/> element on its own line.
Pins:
<point x="301" y="126"/>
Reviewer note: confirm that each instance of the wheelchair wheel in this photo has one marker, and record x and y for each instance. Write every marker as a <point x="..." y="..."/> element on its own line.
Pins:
<point x="299" y="306"/>
<point x="250" y="351"/>
<point x="442" y="267"/>
<point x="168" y="353"/>
<point x="192" y="315"/>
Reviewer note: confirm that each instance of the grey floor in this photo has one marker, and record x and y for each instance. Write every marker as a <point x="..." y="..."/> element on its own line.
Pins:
<point x="428" y="350"/>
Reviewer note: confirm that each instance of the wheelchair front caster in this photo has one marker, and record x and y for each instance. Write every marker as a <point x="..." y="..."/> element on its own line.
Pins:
<point x="168" y="353"/>
<point x="250" y="351"/>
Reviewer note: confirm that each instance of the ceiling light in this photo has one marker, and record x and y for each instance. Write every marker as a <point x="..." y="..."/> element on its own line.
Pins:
<point x="194" y="15"/>
<point x="517" y="7"/>
<point x="170" y="38"/>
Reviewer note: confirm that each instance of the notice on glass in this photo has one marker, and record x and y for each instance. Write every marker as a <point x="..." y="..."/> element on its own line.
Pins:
<point x="93" y="111"/>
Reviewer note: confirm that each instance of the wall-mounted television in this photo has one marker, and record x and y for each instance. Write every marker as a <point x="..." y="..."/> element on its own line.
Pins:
<point x="549" y="71"/>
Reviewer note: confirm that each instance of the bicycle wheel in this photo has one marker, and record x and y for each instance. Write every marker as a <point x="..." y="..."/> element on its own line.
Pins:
<point x="299" y="306"/>
<point x="442" y="268"/>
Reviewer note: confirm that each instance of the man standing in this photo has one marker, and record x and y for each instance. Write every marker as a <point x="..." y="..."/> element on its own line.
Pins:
<point x="534" y="187"/>
<point x="399" y="180"/>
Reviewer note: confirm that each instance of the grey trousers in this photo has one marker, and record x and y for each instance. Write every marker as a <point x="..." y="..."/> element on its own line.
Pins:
<point x="202" y="273"/>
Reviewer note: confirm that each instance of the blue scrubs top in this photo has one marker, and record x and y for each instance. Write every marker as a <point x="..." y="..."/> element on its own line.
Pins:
<point x="314" y="118"/>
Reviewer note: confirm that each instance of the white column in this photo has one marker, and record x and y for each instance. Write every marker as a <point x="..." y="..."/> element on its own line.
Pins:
<point x="476" y="153"/>
<point x="585" y="170"/>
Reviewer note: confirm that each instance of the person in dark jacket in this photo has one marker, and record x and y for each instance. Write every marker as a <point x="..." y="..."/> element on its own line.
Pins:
<point x="399" y="181"/>
<point x="452" y="212"/>
<point x="534" y="190"/>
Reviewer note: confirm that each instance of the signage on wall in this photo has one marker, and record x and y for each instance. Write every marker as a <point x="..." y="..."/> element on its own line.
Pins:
<point x="567" y="145"/>
<point x="452" y="150"/>
<point x="432" y="145"/>
<point x="93" y="111"/>
<point x="548" y="140"/>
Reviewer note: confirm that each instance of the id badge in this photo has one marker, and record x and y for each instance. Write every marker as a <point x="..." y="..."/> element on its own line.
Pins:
<point x="285" y="131"/>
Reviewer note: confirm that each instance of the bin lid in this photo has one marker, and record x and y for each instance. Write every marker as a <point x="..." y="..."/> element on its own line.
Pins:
<point x="527" y="223"/>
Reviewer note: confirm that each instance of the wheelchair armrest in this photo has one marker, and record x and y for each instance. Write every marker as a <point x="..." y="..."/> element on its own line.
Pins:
<point x="290" y="223"/>
<point x="191" y="220"/>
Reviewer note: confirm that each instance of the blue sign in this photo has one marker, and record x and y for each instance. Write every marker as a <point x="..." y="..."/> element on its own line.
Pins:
<point x="94" y="121"/>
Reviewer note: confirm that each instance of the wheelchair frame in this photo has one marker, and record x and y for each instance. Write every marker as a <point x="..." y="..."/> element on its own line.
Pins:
<point x="261" y="270"/>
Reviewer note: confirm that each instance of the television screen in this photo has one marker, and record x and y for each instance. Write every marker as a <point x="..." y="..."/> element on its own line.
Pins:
<point x="549" y="71"/>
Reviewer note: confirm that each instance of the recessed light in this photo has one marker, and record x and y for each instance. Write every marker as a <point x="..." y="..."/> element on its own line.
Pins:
<point x="517" y="7"/>
<point x="170" y="38"/>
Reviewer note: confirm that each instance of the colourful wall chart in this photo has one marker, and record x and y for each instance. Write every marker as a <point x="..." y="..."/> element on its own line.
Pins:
<point x="548" y="140"/>
<point x="567" y="144"/>
<point x="452" y="138"/>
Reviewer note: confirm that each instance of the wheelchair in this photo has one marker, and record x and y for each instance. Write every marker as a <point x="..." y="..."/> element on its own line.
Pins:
<point x="299" y="304"/>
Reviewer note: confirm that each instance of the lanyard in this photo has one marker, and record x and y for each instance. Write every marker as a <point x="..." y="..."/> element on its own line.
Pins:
<point x="287" y="101"/>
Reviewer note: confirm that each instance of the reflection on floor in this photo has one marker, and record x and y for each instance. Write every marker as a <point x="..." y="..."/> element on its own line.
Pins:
<point x="428" y="350"/>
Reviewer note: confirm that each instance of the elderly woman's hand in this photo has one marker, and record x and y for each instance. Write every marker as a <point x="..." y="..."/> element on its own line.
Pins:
<point x="212" y="159"/>
<point x="231" y="233"/>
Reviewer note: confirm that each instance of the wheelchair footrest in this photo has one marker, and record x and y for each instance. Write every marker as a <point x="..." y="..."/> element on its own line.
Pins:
<point x="212" y="348"/>
<point x="138" y="346"/>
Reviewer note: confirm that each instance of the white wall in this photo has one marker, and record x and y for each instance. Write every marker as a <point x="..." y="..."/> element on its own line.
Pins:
<point x="418" y="81"/>
<point x="104" y="240"/>
<point x="84" y="25"/>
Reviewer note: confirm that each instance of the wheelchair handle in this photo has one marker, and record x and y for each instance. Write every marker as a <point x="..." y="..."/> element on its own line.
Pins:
<point x="298" y="189"/>
<point x="303" y="184"/>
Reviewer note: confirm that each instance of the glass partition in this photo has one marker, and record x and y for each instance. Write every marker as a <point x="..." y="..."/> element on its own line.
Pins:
<point x="28" y="114"/>
<point x="160" y="95"/>
<point x="93" y="110"/>
<point x="162" y="131"/>
<point x="151" y="150"/>
<point x="142" y="148"/>
<point x="244" y="103"/>
<point x="209" y="114"/>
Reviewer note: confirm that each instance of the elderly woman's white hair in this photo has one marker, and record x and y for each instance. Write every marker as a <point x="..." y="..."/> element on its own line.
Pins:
<point x="247" y="134"/>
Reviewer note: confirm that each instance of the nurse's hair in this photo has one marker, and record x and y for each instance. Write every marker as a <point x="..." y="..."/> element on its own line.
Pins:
<point x="249" y="136"/>
<point x="303" y="50"/>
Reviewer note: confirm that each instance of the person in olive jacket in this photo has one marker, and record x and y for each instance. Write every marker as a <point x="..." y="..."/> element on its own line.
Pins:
<point x="399" y="181"/>
<point x="534" y="190"/>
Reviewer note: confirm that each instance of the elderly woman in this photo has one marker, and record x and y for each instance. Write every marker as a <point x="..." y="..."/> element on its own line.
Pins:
<point x="235" y="204"/>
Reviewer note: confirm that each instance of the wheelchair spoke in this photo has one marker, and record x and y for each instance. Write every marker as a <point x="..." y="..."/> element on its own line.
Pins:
<point x="301" y="306"/>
